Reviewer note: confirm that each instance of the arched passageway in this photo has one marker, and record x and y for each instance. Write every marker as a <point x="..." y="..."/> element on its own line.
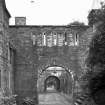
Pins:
<point x="58" y="77"/>
<point x="52" y="83"/>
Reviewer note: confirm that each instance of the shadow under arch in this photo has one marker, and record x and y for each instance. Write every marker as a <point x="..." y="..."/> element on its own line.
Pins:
<point x="71" y="73"/>
<point x="52" y="80"/>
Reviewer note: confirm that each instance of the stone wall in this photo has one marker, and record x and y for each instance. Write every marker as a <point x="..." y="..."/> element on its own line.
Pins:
<point x="4" y="45"/>
<point x="85" y="41"/>
<point x="66" y="83"/>
<point x="25" y="64"/>
<point x="31" y="59"/>
<point x="21" y="75"/>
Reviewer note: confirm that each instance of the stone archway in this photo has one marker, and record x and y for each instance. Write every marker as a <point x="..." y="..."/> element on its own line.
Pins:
<point x="44" y="67"/>
<point x="52" y="81"/>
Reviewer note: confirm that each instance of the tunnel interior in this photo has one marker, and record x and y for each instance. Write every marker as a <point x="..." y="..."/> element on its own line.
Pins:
<point x="52" y="83"/>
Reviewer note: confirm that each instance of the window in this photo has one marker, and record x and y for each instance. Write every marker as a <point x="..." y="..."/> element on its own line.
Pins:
<point x="70" y="39"/>
<point x="39" y="40"/>
<point x="54" y="39"/>
<point x="43" y="39"/>
<point x="76" y="39"/>
<point x="49" y="40"/>
<point x="34" y="39"/>
<point x="60" y="39"/>
<point x="65" y="36"/>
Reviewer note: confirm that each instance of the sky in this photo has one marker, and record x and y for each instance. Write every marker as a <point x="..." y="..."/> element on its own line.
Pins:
<point x="50" y="12"/>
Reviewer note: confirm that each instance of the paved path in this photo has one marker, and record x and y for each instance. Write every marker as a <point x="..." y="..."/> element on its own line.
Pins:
<point x="52" y="99"/>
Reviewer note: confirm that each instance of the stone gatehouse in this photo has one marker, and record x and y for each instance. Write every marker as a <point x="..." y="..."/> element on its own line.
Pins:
<point x="26" y="51"/>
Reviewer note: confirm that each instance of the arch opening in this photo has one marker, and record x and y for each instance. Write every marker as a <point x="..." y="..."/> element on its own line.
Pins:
<point x="56" y="77"/>
<point x="52" y="83"/>
<point x="55" y="66"/>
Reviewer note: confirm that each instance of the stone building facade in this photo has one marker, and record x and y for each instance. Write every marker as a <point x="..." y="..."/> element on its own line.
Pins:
<point x="26" y="51"/>
<point x="5" y="66"/>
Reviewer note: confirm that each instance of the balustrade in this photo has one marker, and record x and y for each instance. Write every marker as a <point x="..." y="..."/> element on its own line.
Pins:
<point x="55" y="39"/>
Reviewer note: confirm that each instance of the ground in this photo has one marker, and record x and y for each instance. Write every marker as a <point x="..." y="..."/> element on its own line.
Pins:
<point x="52" y="97"/>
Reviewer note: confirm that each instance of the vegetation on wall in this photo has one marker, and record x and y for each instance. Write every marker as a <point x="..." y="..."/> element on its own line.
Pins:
<point x="96" y="57"/>
<point x="97" y="46"/>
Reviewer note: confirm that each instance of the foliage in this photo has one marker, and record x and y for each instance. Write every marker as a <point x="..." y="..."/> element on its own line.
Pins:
<point x="97" y="15"/>
<point x="28" y="101"/>
<point x="96" y="56"/>
<point x="97" y="46"/>
<point x="77" y="23"/>
<point x="97" y="50"/>
<point x="94" y="16"/>
<point x="97" y="88"/>
<point x="8" y="100"/>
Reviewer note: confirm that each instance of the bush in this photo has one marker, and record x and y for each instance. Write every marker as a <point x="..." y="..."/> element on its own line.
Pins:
<point x="28" y="101"/>
<point x="8" y="100"/>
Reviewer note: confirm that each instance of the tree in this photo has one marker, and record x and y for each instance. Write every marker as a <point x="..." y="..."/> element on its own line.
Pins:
<point x="77" y="23"/>
<point x="96" y="56"/>
<point x="97" y="45"/>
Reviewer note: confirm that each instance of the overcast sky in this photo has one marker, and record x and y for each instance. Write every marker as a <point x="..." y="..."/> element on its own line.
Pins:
<point x="50" y="12"/>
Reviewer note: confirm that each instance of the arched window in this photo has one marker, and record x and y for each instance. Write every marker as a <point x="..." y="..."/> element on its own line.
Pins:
<point x="49" y="39"/>
<point x="65" y="38"/>
<point x="76" y="39"/>
<point x="60" y="39"/>
<point x="55" y="39"/>
<point x="70" y="40"/>
<point x="43" y="39"/>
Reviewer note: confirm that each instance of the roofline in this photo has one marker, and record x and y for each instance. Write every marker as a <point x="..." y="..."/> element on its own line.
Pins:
<point x="42" y="26"/>
<point x="7" y="12"/>
<point x="4" y="5"/>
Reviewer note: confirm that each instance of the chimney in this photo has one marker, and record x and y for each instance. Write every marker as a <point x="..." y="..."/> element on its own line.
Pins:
<point x="20" y="21"/>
